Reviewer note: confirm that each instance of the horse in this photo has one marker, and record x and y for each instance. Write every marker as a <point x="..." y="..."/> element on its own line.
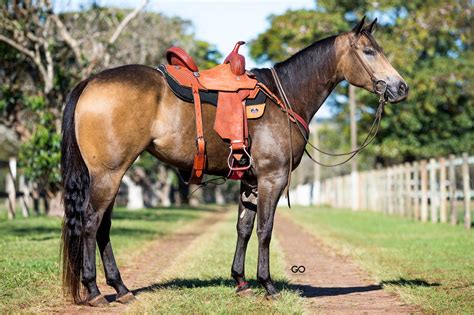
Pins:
<point x="112" y="117"/>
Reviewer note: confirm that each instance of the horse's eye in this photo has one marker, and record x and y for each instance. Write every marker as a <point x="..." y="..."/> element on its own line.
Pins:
<point x="369" y="51"/>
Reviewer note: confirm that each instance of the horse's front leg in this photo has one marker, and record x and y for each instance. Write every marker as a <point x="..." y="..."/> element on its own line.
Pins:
<point x="270" y="188"/>
<point x="245" y="221"/>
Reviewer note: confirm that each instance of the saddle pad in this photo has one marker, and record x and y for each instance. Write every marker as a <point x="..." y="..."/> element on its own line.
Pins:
<point x="210" y="97"/>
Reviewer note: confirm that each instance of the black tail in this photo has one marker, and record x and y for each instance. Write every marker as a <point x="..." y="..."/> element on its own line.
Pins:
<point x="75" y="180"/>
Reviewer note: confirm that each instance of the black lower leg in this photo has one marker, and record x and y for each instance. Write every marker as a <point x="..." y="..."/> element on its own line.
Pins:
<point x="89" y="268"/>
<point x="112" y="273"/>
<point x="270" y="189"/>
<point x="247" y="212"/>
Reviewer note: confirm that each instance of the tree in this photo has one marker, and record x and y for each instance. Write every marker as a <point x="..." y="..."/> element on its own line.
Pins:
<point x="429" y="42"/>
<point x="47" y="53"/>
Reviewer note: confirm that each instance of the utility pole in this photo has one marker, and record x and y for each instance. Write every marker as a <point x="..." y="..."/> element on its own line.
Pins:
<point x="354" y="173"/>
<point x="316" y="193"/>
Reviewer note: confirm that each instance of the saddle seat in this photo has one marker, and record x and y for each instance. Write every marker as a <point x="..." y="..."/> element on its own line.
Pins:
<point x="233" y="86"/>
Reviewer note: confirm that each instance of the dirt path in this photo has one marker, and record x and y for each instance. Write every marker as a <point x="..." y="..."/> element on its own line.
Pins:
<point x="141" y="273"/>
<point x="331" y="283"/>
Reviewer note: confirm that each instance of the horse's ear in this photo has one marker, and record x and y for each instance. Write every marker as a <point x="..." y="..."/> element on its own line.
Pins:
<point x="371" y="27"/>
<point x="359" y="26"/>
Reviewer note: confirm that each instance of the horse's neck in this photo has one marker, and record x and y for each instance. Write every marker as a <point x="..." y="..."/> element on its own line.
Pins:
<point x="309" y="76"/>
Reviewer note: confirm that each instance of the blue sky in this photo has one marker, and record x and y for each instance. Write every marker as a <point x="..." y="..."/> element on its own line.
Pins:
<point x="214" y="21"/>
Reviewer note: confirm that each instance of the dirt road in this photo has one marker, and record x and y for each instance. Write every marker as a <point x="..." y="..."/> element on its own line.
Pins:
<point x="149" y="264"/>
<point x="331" y="283"/>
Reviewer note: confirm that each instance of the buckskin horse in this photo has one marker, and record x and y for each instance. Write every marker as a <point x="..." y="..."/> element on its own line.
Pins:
<point x="114" y="116"/>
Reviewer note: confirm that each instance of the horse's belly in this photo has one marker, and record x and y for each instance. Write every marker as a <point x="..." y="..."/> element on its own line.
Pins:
<point x="174" y="136"/>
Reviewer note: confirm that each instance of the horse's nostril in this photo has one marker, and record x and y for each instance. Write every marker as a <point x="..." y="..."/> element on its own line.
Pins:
<point x="402" y="89"/>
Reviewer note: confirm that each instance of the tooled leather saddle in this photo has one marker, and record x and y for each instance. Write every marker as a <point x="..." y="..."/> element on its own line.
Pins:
<point x="237" y="94"/>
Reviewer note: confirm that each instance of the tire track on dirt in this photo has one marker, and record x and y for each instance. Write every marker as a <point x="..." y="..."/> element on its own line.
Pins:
<point x="331" y="283"/>
<point x="149" y="263"/>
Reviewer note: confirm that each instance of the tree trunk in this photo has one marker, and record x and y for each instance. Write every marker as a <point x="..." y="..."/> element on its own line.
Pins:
<point x="220" y="200"/>
<point x="54" y="204"/>
<point x="135" y="194"/>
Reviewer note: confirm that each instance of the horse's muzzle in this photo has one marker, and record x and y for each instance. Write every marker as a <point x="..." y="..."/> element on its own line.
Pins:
<point x="396" y="92"/>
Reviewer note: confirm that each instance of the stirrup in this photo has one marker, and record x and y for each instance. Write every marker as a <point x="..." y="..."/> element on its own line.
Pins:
<point x="231" y="159"/>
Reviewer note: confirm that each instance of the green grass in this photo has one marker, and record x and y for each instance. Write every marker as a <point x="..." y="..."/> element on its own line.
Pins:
<point x="200" y="281"/>
<point x="431" y="265"/>
<point x="29" y="261"/>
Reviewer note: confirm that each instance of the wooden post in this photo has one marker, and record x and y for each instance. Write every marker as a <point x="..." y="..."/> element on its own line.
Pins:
<point x="433" y="192"/>
<point x="10" y="188"/>
<point x="467" y="191"/>
<point x="400" y="189"/>
<point x="25" y="203"/>
<point x="424" y="191"/>
<point x="354" y="192"/>
<point x="452" y="191"/>
<point x="407" y="171"/>
<point x="416" y="191"/>
<point x="373" y="193"/>
<point x="389" y="190"/>
<point x="316" y="195"/>
<point x="443" y="210"/>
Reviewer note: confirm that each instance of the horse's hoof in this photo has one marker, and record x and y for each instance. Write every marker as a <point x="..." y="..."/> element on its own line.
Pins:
<point x="126" y="298"/>
<point x="273" y="297"/>
<point x="244" y="292"/>
<point x="98" y="301"/>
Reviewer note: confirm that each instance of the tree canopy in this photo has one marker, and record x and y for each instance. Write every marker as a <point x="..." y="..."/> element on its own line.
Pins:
<point x="45" y="53"/>
<point x="428" y="42"/>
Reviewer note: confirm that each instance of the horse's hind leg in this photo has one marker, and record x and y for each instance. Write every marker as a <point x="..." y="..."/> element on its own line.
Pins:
<point x="112" y="273"/>
<point x="104" y="186"/>
<point x="247" y="212"/>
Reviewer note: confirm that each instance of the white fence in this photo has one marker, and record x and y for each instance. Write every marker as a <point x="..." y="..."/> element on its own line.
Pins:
<point x="434" y="190"/>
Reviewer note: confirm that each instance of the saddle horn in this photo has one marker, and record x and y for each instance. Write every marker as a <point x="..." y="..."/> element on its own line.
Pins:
<point x="236" y="60"/>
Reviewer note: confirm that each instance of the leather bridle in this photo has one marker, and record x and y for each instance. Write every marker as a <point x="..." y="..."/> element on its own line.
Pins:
<point x="380" y="88"/>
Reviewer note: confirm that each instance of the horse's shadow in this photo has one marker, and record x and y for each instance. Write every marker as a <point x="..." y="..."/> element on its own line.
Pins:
<point x="307" y="291"/>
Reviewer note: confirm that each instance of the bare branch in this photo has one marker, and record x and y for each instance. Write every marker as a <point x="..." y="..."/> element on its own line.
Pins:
<point x="127" y="20"/>
<point x="67" y="37"/>
<point x="17" y="46"/>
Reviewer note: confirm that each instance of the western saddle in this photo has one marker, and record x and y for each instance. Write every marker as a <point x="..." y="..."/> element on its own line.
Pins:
<point x="238" y="96"/>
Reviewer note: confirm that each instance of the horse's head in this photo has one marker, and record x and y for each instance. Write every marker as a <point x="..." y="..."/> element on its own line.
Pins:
<point x="365" y="64"/>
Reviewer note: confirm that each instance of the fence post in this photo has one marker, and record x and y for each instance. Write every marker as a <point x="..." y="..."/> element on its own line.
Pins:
<point x="10" y="188"/>
<point x="424" y="191"/>
<point x="416" y="190"/>
<point x="407" y="171"/>
<point x="400" y="189"/>
<point x="442" y="191"/>
<point x="389" y="190"/>
<point x="452" y="191"/>
<point x="25" y="203"/>
<point x="467" y="191"/>
<point x="433" y="192"/>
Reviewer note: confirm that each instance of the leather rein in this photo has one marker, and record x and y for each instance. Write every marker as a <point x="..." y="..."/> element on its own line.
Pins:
<point x="380" y="88"/>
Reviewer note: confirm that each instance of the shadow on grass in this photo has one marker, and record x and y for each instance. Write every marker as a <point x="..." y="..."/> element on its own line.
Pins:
<point x="159" y="214"/>
<point x="196" y="283"/>
<point x="31" y="231"/>
<point x="409" y="283"/>
<point x="307" y="291"/>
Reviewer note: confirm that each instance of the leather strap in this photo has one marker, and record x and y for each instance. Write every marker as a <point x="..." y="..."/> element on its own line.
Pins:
<point x="199" y="163"/>
<point x="380" y="86"/>
<point x="294" y="117"/>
